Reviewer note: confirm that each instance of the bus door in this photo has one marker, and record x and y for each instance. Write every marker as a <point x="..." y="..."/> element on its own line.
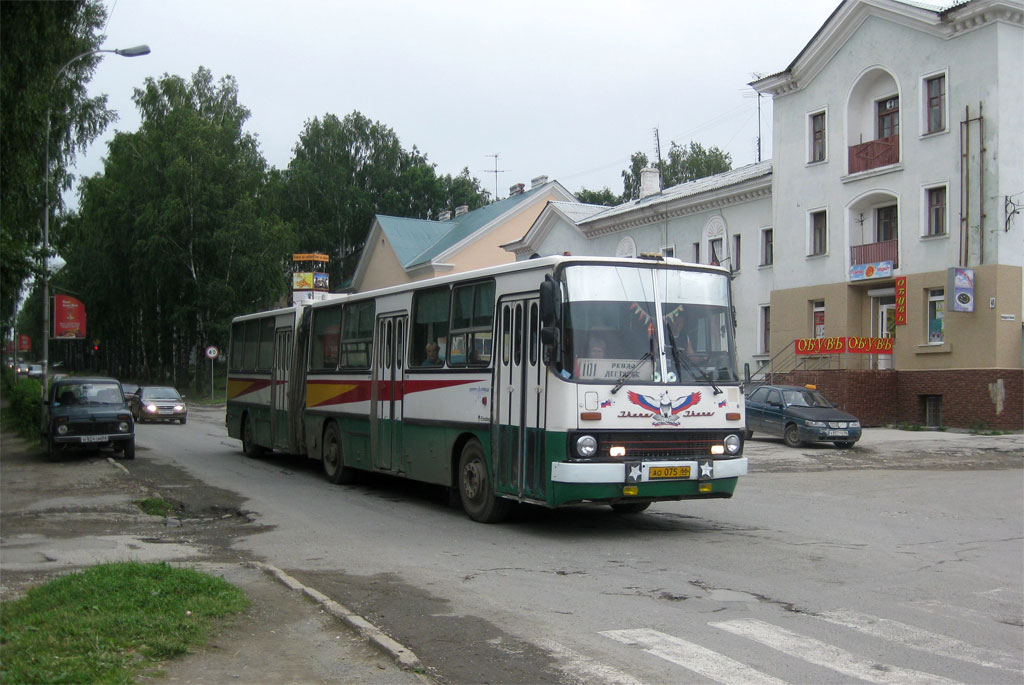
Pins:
<point x="519" y="401"/>
<point x="279" y="382"/>
<point x="389" y="367"/>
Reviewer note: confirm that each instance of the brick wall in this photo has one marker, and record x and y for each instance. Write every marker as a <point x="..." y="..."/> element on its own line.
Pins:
<point x="887" y="397"/>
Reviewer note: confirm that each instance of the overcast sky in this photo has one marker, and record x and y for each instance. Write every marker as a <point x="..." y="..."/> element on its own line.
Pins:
<point x="565" y="89"/>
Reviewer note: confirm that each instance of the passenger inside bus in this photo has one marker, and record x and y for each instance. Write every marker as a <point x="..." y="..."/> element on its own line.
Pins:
<point x="433" y="355"/>
<point x="598" y="348"/>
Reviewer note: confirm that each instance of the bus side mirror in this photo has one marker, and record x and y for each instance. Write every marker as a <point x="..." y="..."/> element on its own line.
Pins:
<point x="548" y="301"/>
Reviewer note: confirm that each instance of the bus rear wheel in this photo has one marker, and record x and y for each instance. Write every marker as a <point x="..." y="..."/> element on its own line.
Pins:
<point x="478" y="498"/>
<point x="331" y="457"/>
<point x="249" y="446"/>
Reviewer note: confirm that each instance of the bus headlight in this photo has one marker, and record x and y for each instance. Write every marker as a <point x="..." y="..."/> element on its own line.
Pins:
<point x="732" y="443"/>
<point x="586" y="446"/>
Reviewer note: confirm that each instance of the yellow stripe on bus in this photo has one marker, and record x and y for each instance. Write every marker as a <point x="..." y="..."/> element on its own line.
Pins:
<point x="321" y="393"/>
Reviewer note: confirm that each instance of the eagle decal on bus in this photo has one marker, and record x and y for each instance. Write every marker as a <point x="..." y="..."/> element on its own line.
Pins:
<point x="664" y="411"/>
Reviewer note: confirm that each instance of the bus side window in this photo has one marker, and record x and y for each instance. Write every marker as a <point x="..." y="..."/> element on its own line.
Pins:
<point x="506" y="333"/>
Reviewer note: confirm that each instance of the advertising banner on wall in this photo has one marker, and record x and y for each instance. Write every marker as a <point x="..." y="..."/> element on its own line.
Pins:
<point x="961" y="289"/>
<point x="841" y="345"/>
<point x="68" y="317"/>
<point x="863" y="272"/>
<point x="901" y="301"/>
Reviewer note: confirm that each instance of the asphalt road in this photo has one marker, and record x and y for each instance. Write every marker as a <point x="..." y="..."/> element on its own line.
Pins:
<point x="897" y="561"/>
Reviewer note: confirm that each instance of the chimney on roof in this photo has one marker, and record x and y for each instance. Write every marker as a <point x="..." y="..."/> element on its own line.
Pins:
<point x="461" y="209"/>
<point x="538" y="181"/>
<point x="650" y="182"/>
<point x="517" y="189"/>
<point x="444" y="216"/>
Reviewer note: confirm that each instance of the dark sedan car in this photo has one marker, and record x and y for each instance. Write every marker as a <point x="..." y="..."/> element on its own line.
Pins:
<point x="87" y="413"/>
<point x="798" y="415"/>
<point x="158" y="403"/>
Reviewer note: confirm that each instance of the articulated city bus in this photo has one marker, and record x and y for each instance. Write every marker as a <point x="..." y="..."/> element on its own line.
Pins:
<point x="552" y="381"/>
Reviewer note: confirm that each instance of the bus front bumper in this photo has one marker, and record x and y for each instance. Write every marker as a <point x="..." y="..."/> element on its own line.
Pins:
<point x="630" y="472"/>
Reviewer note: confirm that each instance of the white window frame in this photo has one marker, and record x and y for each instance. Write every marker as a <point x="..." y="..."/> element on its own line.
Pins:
<point x="810" y="232"/>
<point x="936" y="304"/>
<point x="668" y="250"/>
<point x="764" y="315"/>
<point x="765" y="232"/>
<point x="734" y="253"/>
<point x="926" y="211"/>
<point x="817" y="306"/>
<point x="810" y="136"/>
<point x="944" y="73"/>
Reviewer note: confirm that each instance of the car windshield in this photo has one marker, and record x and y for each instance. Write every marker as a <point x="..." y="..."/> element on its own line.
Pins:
<point x="805" y="398"/>
<point x="161" y="394"/>
<point x="88" y="394"/>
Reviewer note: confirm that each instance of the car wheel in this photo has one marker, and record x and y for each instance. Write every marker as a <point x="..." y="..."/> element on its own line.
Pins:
<point x="129" y="449"/>
<point x="249" y="446"/>
<point x="843" y="444"/>
<point x="478" y="498"/>
<point x="332" y="458"/>
<point x="630" y="507"/>
<point x="792" y="436"/>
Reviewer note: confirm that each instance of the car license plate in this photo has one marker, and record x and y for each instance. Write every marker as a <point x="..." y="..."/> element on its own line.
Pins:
<point x="94" y="438"/>
<point x="165" y="411"/>
<point x="838" y="433"/>
<point x="669" y="472"/>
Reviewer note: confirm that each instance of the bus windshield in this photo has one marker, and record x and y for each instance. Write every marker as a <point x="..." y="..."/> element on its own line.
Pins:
<point x="647" y="325"/>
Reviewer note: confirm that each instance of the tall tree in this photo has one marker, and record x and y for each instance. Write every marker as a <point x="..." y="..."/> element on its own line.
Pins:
<point x="347" y="170"/>
<point x="36" y="40"/>
<point x="598" y="197"/>
<point x="681" y="165"/>
<point x="182" y="217"/>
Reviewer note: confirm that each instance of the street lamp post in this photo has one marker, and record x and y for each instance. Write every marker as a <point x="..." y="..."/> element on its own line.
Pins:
<point x="136" y="51"/>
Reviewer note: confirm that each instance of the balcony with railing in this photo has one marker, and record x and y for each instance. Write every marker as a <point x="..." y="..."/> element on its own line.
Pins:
<point x="873" y="253"/>
<point x="874" y="154"/>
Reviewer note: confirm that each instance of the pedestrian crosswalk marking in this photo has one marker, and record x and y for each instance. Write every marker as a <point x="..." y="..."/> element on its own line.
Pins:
<point x="700" y="660"/>
<point x="824" y="654"/>
<point x="587" y="668"/>
<point x="916" y="638"/>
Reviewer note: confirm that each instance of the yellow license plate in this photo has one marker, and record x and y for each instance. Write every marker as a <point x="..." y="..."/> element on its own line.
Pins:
<point x="669" y="472"/>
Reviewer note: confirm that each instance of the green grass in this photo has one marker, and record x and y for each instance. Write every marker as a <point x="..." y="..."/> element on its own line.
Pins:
<point x="155" y="506"/>
<point x="110" y="622"/>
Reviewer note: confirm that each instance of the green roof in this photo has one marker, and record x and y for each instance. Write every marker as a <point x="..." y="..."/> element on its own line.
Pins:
<point x="418" y="241"/>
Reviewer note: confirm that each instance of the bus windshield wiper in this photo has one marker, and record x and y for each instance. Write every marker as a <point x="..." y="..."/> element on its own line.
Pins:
<point x="682" y="360"/>
<point x="626" y="376"/>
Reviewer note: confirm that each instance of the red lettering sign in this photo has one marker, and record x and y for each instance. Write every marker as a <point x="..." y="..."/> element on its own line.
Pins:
<point x="68" y="317"/>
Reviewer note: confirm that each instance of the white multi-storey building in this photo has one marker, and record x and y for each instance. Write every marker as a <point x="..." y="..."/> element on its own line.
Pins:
<point x="889" y="211"/>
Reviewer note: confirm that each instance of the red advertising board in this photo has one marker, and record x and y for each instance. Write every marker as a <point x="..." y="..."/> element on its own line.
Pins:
<point x="901" y="301"/>
<point x="24" y="343"/>
<point x="840" y="345"/>
<point x="68" y="317"/>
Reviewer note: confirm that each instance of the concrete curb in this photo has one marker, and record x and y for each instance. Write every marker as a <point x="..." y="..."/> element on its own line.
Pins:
<point x="402" y="655"/>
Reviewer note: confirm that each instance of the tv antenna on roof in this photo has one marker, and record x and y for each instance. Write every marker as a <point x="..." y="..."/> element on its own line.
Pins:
<point x="495" y="172"/>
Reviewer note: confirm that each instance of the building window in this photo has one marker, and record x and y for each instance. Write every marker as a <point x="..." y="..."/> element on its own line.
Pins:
<point x="936" y="223"/>
<point x="668" y="251"/>
<point x="818" y="318"/>
<point x="936" y="312"/>
<point x="696" y="253"/>
<point x="764" y="344"/>
<point x="735" y="256"/>
<point x="767" y="247"/>
<point x="715" y="247"/>
<point x="935" y="104"/>
<point x="886" y="224"/>
<point x="888" y="117"/>
<point x="818" y="137"/>
<point x="819" y="233"/>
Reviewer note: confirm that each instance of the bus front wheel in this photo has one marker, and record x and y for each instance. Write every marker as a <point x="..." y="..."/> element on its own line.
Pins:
<point x="478" y="498"/>
<point x="334" y="466"/>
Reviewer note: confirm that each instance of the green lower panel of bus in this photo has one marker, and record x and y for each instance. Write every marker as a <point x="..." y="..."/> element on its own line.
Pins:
<point x="569" y="493"/>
